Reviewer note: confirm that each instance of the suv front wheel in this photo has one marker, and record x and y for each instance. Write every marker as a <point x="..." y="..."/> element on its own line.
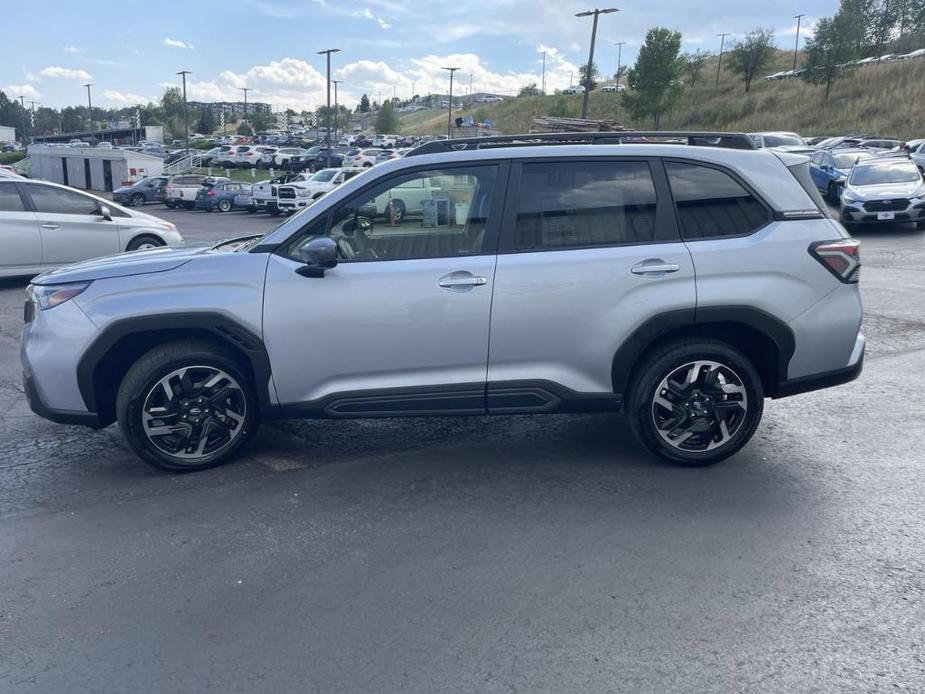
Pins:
<point x="187" y="406"/>
<point x="695" y="402"/>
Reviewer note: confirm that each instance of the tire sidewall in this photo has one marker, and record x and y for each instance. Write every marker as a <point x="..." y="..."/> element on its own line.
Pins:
<point x="145" y="374"/>
<point x="639" y="409"/>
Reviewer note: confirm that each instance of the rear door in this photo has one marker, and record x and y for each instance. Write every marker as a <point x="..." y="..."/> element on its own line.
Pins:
<point x="590" y="251"/>
<point x="19" y="232"/>
<point x="71" y="225"/>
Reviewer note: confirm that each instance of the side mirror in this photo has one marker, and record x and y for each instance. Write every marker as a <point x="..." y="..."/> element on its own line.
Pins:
<point x="318" y="254"/>
<point x="105" y="213"/>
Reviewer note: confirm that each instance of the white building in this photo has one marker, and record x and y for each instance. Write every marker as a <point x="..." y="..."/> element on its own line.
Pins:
<point x="91" y="168"/>
<point x="7" y="134"/>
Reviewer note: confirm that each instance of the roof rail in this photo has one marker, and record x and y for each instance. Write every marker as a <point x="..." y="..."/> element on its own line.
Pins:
<point x="696" y="139"/>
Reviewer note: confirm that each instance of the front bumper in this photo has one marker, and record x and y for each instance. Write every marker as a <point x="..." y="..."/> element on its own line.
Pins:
<point x="854" y="213"/>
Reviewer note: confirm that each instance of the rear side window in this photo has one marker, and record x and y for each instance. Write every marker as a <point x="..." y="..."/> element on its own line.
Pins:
<point x="51" y="200"/>
<point x="9" y="198"/>
<point x="712" y="204"/>
<point x="582" y="204"/>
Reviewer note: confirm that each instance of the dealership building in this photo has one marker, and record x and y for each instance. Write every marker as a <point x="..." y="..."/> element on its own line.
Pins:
<point x="91" y="168"/>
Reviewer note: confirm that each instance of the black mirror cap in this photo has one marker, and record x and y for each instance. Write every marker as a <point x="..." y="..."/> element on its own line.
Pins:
<point x="318" y="254"/>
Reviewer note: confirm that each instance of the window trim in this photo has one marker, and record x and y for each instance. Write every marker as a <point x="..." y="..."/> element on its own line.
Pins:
<point x="492" y="229"/>
<point x="663" y="213"/>
<point x="772" y="213"/>
<point x="24" y="192"/>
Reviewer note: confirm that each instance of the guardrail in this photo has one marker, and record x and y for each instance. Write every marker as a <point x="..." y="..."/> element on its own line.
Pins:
<point x="183" y="165"/>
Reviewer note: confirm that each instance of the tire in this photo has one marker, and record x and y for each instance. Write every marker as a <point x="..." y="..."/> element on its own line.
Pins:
<point x="144" y="242"/>
<point x="275" y="211"/>
<point x="696" y="411"/>
<point x="224" y="206"/>
<point x="251" y="209"/>
<point x="227" y="412"/>
<point x="138" y="200"/>
<point x="920" y="225"/>
<point x="189" y="205"/>
<point x="170" y="205"/>
<point x="832" y="193"/>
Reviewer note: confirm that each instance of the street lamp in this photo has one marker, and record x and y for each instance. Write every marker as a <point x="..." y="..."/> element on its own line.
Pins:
<point x="184" y="73"/>
<point x="619" y="45"/>
<point x="22" y="101"/>
<point x="336" y="110"/>
<point x="543" y="88"/>
<point x="591" y="13"/>
<point x="89" y="106"/>
<point x="449" y="110"/>
<point x="245" y="90"/>
<point x="719" y="63"/>
<point x="327" y="115"/>
<point x="796" y="46"/>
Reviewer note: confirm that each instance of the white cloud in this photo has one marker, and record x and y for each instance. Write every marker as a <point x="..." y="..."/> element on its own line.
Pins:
<point x="64" y="73"/>
<point x="287" y="82"/>
<point x="72" y="49"/>
<point x="15" y="90"/>
<point x="367" y="13"/>
<point x="177" y="43"/>
<point x="124" y="97"/>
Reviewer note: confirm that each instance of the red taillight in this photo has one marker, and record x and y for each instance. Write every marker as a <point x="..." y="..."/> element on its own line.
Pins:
<point x="842" y="258"/>
<point x="210" y="193"/>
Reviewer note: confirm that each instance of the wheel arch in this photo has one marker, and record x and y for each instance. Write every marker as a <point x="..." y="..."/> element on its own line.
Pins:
<point x="104" y="364"/>
<point x="767" y="341"/>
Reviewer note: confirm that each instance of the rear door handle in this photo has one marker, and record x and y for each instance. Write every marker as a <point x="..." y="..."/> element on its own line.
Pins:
<point x="654" y="268"/>
<point x="49" y="225"/>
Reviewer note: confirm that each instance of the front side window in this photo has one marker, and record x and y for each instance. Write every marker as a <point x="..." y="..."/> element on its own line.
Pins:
<point x="51" y="200"/>
<point x="9" y="198"/>
<point x="711" y="203"/>
<point x="584" y="204"/>
<point x="428" y="214"/>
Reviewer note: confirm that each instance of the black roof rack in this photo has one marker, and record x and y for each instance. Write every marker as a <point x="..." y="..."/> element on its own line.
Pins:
<point x="697" y="139"/>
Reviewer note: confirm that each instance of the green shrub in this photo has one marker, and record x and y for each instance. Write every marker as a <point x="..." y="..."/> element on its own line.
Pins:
<point x="11" y="157"/>
<point x="200" y="144"/>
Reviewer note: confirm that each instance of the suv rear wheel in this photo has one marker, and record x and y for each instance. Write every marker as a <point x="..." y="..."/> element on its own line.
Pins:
<point x="187" y="406"/>
<point x="695" y="402"/>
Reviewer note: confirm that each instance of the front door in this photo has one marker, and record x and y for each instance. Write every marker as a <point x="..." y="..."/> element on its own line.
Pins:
<point x="19" y="233"/>
<point x="400" y="325"/>
<point x="71" y="225"/>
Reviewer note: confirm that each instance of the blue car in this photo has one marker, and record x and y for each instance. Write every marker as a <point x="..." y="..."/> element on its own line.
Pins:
<point x="149" y="189"/>
<point x="223" y="196"/>
<point x="829" y="169"/>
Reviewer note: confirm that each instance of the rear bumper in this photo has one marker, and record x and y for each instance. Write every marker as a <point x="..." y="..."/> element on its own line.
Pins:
<point x="828" y="379"/>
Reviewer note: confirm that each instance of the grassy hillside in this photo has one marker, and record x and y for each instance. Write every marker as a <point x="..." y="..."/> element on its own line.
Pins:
<point x="887" y="99"/>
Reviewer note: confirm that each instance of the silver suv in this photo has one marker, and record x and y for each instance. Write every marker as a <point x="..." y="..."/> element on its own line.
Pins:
<point x="683" y="283"/>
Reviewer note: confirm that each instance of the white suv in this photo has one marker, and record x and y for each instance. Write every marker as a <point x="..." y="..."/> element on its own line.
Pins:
<point x="361" y="157"/>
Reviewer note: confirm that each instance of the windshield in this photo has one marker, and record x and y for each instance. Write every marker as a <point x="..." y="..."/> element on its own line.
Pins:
<point x="847" y="160"/>
<point x="885" y="172"/>
<point x="782" y="139"/>
<point x="324" y="175"/>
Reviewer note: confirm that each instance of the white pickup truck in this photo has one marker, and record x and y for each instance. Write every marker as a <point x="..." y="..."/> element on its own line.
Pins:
<point x="265" y="191"/>
<point x="302" y="189"/>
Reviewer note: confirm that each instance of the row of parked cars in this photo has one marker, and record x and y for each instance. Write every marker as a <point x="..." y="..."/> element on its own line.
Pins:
<point x="870" y="60"/>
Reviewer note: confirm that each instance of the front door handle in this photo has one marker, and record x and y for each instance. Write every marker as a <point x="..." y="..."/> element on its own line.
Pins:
<point x="656" y="267"/>
<point x="49" y="225"/>
<point x="461" y="281"/>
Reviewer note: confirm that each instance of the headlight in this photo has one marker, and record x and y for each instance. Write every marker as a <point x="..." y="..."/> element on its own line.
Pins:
<point x="47" y="296"/>
<point x="166" y="226"/>
<point x="920" y="195"/>
<point x="302" y="193"/>
<point x="848" y="197"/>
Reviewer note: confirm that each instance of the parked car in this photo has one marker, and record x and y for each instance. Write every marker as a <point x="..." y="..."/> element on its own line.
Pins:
<point x="7" y="171"/>
<point x="223" y="196"/>
<point x="574" y="89"/>
<point x="883" y="189"/>
<point x="247" y="156"/>
<point x="778" y="139"/>
<point x="208" y="157"/>
<point x="829" y="169"/>
<point x="773" y="308"/>
<point x="300" y="192"/>
<point x="361" y="157"/>
<point x="148" y="189"/>
<point x="614" y="88"/>
<point x="918" y="156"/>
<point x="183" y="189"/>
<point x="264" y="192"/>
<point x="267" y="156"/>
<point x="816" y="139"/>
<point x="880" y="144"/>
<point x="225" y="157"/>
<point x="45" y="225"/>
<point x="284" y="154"/>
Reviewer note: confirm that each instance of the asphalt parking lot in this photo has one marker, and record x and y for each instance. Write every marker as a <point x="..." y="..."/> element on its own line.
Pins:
<point x="524" y="554"/>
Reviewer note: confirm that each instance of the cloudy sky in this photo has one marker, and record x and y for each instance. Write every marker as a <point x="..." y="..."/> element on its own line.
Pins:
<point x="130" y="50"/>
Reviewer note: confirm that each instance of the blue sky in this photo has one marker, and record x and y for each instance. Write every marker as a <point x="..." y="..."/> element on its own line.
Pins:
<point x="132" y="49"/>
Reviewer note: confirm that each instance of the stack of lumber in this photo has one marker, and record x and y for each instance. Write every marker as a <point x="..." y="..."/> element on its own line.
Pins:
<point x="558" y="124"/>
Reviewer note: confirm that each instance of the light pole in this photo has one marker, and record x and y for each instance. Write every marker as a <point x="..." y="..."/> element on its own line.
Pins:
<point x="89" y="106"/>
<point x="336" y="111"/>
<point x="245" y="90"/>
<point x="719" y="63"/>
<point x="591" y="13"/>
<point x="619" y="45"/>
<point x="470" y="85"/>
<point x="543" y="89"/>
<point x="184" y="73"/>
<point x="449" y="110"/>
<point x="796" y="45"/>
<point x="22" y="101"/>
<point x="327" y="114"/>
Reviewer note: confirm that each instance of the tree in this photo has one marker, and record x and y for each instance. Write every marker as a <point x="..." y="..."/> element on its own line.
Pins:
<point x="244" y="129"/>
<point x="750" y="56"/>
<point x="529" y="90"/>
<point x="206" y="122"/>
<point x="591" y="84"/>
<point x="832" y="46"/>
<point x="387" y="120"/>
<point x="654" y="80"/>
<point x="364" y="104"/>
<point x="693" y="65"/>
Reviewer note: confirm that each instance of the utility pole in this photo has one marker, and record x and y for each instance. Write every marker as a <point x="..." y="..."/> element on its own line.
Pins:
<point x="327" y="117"/>
<point x="449" y="110"/>
<point x="470" y="84"/>
<point x="184" y="73"/>
<point x="591" y="13"/>
<point x="719" y="63"/>
<point x="245" y="90"/>
<point x="543" y="88"/>
<point x="796" y="46"/>
<point x="619" y="45"/>
<point x="336" y="110"/>
<point x="89" y="106"/>
<point x="412" y="91"/>
<point x="22" y="135"/>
